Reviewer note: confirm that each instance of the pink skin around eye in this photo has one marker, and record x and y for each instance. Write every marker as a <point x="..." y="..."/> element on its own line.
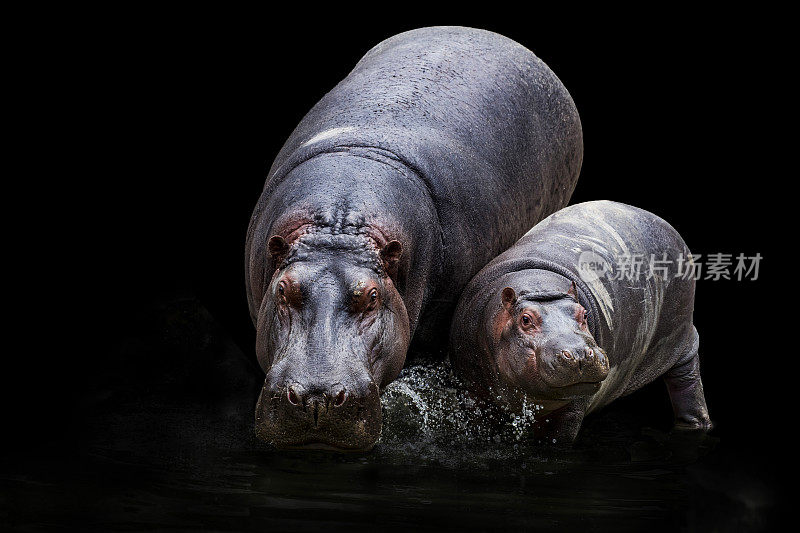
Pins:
<point x="288" y="293"/>
<point x="529" y="321"/>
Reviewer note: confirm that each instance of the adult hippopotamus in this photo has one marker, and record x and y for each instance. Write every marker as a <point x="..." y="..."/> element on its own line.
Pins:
<point x="591" y="304"/>
<point x="438" y="151"/>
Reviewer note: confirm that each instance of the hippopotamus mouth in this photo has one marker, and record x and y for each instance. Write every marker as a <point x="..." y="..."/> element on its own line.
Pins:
<point x="317" y="442"/>
<point x="289" y="421"/>
<point x="320" y="441"/>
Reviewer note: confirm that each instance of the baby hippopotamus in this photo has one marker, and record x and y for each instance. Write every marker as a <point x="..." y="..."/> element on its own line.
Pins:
<point x="590" y="305"/>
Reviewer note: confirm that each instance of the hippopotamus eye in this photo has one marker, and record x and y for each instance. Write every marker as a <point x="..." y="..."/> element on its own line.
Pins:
<point x="282" y="288"/>
<point x="373" y="295"/>
<point x="529" y="321"/>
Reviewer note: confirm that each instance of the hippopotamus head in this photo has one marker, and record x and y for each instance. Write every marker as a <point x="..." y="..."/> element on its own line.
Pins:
<point x="541" y="344"/>
<point x="332" y="331"/>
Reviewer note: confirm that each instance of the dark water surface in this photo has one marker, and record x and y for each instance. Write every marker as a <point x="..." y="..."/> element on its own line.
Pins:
<point x="167" y="444"/>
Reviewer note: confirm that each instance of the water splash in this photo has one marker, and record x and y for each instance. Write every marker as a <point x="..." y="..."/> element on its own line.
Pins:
<point x="427" y="414"/>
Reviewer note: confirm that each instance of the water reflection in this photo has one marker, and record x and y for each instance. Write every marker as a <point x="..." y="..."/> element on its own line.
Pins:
<point x="182" y="455"/>
<point x="190" y="468"/>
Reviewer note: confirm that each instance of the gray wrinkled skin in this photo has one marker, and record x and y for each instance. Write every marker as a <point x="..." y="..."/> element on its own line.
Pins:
<point x="450" y="141"/>
<point x="571" y="364"/>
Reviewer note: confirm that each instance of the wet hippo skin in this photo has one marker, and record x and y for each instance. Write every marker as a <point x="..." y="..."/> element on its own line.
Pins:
<point x="438" y="151"/>
<point x="548" y="323"/>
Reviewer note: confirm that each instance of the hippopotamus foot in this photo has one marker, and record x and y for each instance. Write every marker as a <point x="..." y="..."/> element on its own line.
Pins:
<point x="686" y="393"/>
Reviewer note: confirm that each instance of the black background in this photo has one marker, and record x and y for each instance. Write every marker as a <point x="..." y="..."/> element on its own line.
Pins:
<point x="156" y="130"/>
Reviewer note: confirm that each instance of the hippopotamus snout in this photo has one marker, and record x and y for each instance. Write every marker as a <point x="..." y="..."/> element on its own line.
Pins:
<point x="343" y="414"/>
<point x="316" y="399"/>
<point x="585" y="364"/>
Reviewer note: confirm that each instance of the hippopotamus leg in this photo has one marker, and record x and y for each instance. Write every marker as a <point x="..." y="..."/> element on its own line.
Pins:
<point x="562" y="425"/>
<point x="686" y="392"/>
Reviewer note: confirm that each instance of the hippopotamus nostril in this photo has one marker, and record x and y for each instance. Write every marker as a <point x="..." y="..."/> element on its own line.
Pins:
<point x="293" y="397"/>
<point x="340" y="398"/>
<point x="566" y="354"/>
<point x="589" y="353"/>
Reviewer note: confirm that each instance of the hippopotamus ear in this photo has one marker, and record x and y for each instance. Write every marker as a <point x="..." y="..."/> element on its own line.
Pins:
<point x="573" y="291"/>
<point x="509" y="299"/>
<point x="278" y="247"/>
<point x="390" y="254"/>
